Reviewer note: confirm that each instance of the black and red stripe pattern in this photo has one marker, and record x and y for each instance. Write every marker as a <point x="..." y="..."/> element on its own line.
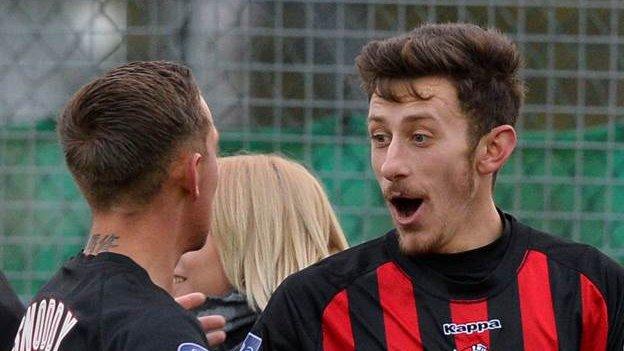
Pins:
<point x="542" y="293"/>
<point x="536" y="305"/>
<point x="535" y="312"/>
<point x="595" y="318"/>
<point x="336" y="327"/>
<point x="464" y="313"/>
<point x="398" y="304"/>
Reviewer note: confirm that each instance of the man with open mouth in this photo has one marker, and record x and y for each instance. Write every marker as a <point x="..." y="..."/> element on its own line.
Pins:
<point x="456" y="273"/>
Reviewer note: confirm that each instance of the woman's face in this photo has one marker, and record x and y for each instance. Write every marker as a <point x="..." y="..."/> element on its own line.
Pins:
<point x="201" y="271"/>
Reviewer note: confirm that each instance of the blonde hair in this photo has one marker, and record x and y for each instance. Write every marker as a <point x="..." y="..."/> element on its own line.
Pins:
<point x="272" y="218"/>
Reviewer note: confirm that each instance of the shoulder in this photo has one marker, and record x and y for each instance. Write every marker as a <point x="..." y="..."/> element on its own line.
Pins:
<point x="308" y="291"/>
<point x="575" y="255"/>
<point x="130" y="283"/>
<point x="162" y="319"/>
<point x="138" y="315"/>
<point x="585" y="259"/>
<point x="296" y="307"/>
<point x="151" y="325"/>
<point x="336" y="272"/>
<point x="127" y="291"/>
<point x="159" y="330"/>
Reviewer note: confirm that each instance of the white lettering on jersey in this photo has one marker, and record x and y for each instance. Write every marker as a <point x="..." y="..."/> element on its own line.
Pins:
<point x="55" y="323"/>
<point x="26" y="344"/>
<point x="68" y="324"/>
<point x="48" y="323"/>
<point x="41" y="328"/>
<point x="41" y="314"/>
<point x="473" y="327"/>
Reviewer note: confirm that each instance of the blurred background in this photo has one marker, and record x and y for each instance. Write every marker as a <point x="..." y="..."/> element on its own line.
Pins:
<point x="279" y="76"/>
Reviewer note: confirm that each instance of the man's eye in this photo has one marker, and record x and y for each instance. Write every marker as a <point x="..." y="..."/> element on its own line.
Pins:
<point x="380" y="139"/>
<point x="420" y="138"/>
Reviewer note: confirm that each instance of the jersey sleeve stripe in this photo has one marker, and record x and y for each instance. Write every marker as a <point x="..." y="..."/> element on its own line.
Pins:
<point x="398" y="303"/>
<point x="595" y="317"/>
<point x="536" y="306"/>
<point x="336" y="325"/>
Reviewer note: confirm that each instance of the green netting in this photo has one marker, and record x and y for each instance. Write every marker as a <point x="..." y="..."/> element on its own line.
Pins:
<point x="45" y="219"/>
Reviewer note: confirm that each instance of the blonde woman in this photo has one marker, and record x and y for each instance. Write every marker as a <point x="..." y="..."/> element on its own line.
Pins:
<point x="272" y="218"/>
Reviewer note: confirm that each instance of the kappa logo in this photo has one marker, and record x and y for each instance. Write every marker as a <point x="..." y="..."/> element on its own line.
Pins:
<point x="189" y="346"/>
<point x="473" y="327"/>
<point x="252" y="343"/>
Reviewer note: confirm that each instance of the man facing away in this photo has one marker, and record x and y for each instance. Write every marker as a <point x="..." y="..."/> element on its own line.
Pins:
<point x="141" y="145"/>
<point x="456" y="273"/>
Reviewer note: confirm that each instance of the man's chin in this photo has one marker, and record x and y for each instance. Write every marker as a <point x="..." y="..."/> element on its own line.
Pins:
<point x="417" y="242"/>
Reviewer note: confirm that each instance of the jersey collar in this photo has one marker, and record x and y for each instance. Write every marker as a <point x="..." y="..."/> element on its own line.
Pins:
<point x="432" y="282"/>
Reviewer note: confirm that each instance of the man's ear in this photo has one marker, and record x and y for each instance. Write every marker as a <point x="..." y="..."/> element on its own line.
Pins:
<point x="192" y="174"/>
<point x="495" y="149"/>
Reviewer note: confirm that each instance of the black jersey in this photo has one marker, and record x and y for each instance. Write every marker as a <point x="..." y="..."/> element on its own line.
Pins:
<point x="545" y="294"/>
<point x="106" y="302"/>
<point x="11" y="310"/>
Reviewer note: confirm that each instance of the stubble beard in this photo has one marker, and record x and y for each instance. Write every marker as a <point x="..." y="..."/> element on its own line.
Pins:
<point x="416" y="247"/>
<point x="436" y="239"/>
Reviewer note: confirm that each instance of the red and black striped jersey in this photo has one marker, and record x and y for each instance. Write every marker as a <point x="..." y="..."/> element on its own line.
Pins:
<point x="545" y="294"/>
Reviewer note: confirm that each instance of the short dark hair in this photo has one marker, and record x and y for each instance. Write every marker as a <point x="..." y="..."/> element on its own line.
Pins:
<point x="120" y="131"/>
<point x="483" y="64"/>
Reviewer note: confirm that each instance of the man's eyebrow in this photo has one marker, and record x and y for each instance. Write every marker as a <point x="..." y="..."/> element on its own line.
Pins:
<point x="373" y="118"/>
<point x="408" y="118"/>
<point x="419" y="117"/>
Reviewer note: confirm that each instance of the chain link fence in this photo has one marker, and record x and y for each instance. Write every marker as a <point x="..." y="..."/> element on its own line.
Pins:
<point x="279" y="77"/>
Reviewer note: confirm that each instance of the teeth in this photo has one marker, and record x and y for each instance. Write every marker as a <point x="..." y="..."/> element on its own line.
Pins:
<point x="177" y="279"/>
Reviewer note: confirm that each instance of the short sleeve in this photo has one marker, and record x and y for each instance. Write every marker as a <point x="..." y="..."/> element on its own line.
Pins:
<point x="164" y="329"/>
<point x="607" y="278"/>
<point x="285" y="324"/>
<point x="137" y="317"/>
<point x="613" y="286"/>
<point x="275" y="329"/>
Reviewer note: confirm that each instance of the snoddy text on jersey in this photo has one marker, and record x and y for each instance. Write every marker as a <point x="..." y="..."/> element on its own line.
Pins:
<point x="44" y="326"/>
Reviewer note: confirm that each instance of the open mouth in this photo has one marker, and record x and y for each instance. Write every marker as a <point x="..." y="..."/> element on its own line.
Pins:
<point x="177" y="279"/>
<point x="406" y="207"/>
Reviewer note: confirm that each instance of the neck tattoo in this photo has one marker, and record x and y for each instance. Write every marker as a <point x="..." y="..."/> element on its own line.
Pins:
<point x="100" y="243"/>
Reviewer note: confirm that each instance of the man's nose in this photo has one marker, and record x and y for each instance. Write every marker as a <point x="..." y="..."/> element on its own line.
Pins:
<point x="395" y="164"/>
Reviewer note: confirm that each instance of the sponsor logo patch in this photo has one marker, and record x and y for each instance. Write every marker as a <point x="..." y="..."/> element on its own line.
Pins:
<point x="189" y="346"/>
<point x="251" y="343"/>
<point x="473" y="327"/>
<point x="479" y="347"/>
